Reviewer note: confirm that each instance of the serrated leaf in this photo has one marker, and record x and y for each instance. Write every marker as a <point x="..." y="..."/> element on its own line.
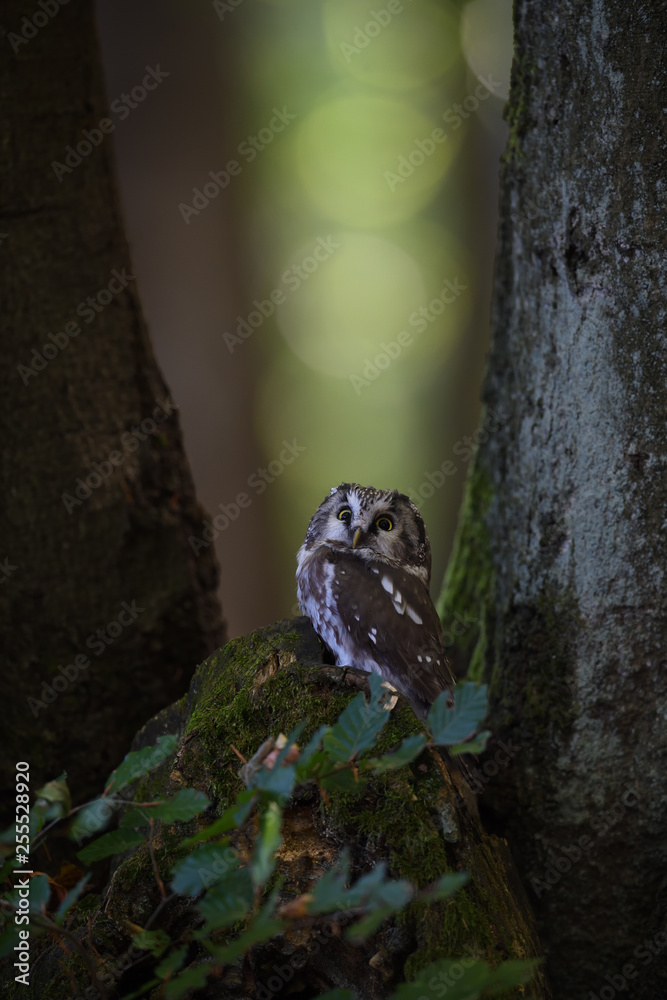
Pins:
<point x="202" y="868"/>
<point x="228" y="901"/>
<point x="373" y="891"/>
<point x="171" y="963"/>
<point x="266" y="845"/>
<point x="408" y="750"/>
<point x="233" y="817"/>
<point x="156" y="942"/>
<point x="358" y="725"/>
<point x="184" y="805"/>
<point x="189" y="979"/>
<point x="310" y="750"/>
<point x="108" y="844"/>
<point x="71" y="898"/>
<point x="449" y="726"/>
<point x="369" y="924"/>
<point x="477" y="977"/>
<point x="140" y="762"/>
<point x="476" y="745"/>
<point x="263" y="927"/>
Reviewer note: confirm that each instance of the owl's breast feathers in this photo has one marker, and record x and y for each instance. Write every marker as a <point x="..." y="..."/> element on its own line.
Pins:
<point x="377" y="615"/>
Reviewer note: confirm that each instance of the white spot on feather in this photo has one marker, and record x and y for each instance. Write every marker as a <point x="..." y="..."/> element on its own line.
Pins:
<point x="413" y="614"/>
<point x="387" y="584"/>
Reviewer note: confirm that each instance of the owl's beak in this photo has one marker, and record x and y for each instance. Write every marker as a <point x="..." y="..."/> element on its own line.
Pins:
<point x="357" y="536"/>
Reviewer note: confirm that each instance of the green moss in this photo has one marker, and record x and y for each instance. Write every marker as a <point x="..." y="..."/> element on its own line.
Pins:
<point x="467" y="591"/>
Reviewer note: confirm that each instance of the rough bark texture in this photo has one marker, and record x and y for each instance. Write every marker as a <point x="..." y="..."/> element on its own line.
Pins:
<point x="562" y="548"/>
<point x="421" y="820"/>
<point x="76" y="400"/>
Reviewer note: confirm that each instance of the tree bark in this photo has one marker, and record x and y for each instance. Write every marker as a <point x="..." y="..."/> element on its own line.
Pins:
<point x="420" y="820"/>
<point x="101" y="598"/>
<point x="562" y="549"/>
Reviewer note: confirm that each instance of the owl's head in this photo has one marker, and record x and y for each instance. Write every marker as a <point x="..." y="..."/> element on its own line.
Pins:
<point x="384" y="522"/>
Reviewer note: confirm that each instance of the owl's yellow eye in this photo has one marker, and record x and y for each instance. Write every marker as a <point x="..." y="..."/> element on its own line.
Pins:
<point x="345" y="515"/>
<point x="384" y="523"/>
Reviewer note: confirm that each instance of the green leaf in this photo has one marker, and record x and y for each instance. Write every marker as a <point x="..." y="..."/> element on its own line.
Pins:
<point x="453" y="725"/>
<point x="465" y="979"/>
<point x="445" y="886"/>
<point x="71" y="898"/>
<point x="263" y="927"/>
<point x="476" y="745"/>
<point x="8" y="939"/>
<point x="202" y="868"/>
<point x="140" y="762"/>
<point x="343" y="780"/>
<point x="233" y="817"/>
<point x="185" y="804"/>
<point x="358" y="725"/>
<point x="189" y="979"/>
<point x="109" y="843"/>
<point x="154" y="941"/>
<point x="40" y="891"/>
<point x="372" y="891"/>
<point x="92" y="818"/>
<point x="410" y="748"/>
<point x="266" y="845"/>
<point x="277" y="782"/>
<point x="172" y="963"/>
<point x="316" y="764"/>
<point x="311" y="748"/>
<point x="329" y="890"/>
<point x="228" y="901"/>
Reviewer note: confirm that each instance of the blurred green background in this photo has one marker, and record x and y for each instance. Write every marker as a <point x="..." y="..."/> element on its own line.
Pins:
<point x="311" y="202"/>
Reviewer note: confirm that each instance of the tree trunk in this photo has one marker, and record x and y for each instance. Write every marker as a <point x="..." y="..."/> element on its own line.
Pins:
<point x="420" y="820"/>
<point x="103" y="610"/>
<point x="562" y="548"/>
